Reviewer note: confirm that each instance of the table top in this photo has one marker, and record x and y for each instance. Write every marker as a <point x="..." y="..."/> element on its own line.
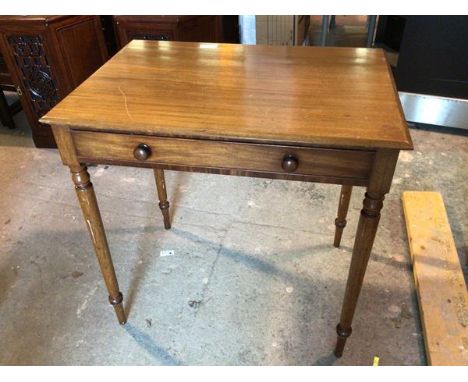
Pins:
<point x="338" y="97"/>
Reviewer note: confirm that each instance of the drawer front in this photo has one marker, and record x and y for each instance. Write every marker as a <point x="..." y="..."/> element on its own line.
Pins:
<point x="205" y="154"/>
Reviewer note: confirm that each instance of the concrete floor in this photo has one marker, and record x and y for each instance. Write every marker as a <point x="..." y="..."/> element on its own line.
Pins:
<point x="254" y="279"/>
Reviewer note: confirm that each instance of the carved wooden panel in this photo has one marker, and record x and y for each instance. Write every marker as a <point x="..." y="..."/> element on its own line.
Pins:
<point x="35" y="72"/>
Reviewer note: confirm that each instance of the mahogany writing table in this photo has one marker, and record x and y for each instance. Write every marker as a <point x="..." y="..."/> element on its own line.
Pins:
<point x="329" y="115"/>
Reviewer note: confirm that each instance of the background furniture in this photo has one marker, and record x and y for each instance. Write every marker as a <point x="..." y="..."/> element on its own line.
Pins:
<point x="47" y="57"/>
<point x="432" y="70"/>
<point x="177" y="28"/>
<point x="389" y="31"/>
<point x="108" y="30"/>
<point x="431" y="66"/>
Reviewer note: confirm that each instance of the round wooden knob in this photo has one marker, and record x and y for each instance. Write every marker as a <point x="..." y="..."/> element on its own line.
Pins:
<point x="142" y="152"/>
<point x="290" y="163"/>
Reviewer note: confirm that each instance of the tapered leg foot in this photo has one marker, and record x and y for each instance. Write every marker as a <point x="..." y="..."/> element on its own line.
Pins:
<point x="87" y="198"/>
<point x="340" y="221"/>
<point x="341" y="340"/>
<point x="162" y="195"/>
<point x="118" y="307"/>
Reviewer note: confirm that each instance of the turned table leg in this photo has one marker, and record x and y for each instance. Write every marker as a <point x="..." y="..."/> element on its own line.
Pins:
<point x="87" y="198"/>
<point x="340" y="221"/>
<point x="367" y="228"/>
<point x="379" y="185"/>
<point x="162" y="195"/>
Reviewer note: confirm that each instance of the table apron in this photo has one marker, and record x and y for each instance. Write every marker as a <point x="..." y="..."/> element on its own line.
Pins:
<point x="316" y="164"/>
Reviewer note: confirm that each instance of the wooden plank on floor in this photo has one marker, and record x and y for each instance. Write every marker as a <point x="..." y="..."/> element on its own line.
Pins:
<point x="441" y="287"/>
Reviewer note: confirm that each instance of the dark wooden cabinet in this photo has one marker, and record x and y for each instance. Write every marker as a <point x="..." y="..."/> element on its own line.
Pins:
<point x="47" y="57"/>
<point x="177" y="28"/>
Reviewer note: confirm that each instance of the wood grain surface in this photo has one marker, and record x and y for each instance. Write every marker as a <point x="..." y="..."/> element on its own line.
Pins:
<point x="442" y="293"/>
<point x="301" y="113"/>
<point x="273" y="94"/>
<point x="119" y="148"/>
